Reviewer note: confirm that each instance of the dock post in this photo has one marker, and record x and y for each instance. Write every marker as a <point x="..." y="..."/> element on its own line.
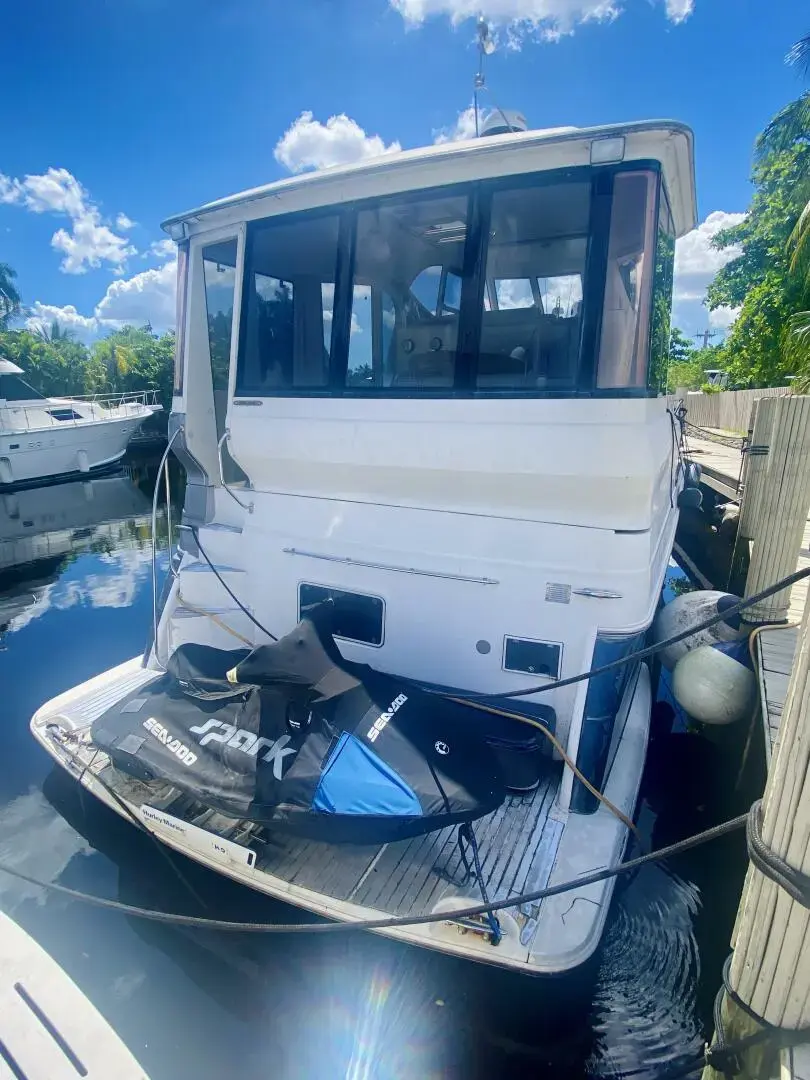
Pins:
<point x="770" y="969"/>
<point x="756" y="465"/>
<point x="778" y="504"/>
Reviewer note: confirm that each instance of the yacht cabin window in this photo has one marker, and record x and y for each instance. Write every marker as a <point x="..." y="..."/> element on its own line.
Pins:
<point x="13" y="388"/>
<point x="488" y="288"/>
<point x="407" y="276"/>
<point x="288" y="302"/>
<point x="530" y="326"/>
<point x="628" y="283"/>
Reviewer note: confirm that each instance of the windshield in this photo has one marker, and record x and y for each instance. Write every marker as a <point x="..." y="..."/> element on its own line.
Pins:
<point x="458" y="291"/>
<point x="13" y="388"/>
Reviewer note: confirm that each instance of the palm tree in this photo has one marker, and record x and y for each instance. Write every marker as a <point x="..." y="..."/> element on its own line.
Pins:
<point x="793" y="122"/>
<point x="55" y="333"/>
<point x="10" y="298"/>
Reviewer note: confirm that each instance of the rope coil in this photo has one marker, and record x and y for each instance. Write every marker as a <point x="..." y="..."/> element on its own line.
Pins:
<point x="772" y="866"/>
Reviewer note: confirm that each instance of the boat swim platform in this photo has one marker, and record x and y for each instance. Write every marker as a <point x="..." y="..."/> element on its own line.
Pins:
<point x="527" y="843"/>
<point x="48" y="1029"/>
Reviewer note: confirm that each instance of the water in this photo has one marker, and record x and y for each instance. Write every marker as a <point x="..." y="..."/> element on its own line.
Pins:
<point x="75" y="599"/>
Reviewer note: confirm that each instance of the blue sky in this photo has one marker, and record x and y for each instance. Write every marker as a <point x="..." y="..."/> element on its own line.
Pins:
<point x="125" y="113"/>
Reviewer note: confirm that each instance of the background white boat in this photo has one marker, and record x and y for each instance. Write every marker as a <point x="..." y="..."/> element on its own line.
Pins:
<point x="48" y="1029"/>
<point x="43" y="437"/>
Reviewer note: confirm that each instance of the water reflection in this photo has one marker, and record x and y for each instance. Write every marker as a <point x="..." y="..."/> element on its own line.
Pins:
<point x="43" y="530"/>
<point x="75" y="598"/>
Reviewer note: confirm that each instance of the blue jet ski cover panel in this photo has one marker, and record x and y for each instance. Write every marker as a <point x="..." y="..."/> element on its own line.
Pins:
<point x="294" y="737"/>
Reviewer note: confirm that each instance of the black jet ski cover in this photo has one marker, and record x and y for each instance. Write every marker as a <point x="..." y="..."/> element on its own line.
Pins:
<point x="293" y="736"/>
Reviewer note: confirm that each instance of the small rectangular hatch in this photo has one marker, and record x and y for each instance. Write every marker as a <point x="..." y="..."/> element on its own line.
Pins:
<point x="358" y="616"/>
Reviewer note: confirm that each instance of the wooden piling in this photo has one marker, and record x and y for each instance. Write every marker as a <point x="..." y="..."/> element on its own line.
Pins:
<point x="778" y="505"/>
<point x="770" y="970"/>
<point x="756" y="465"/>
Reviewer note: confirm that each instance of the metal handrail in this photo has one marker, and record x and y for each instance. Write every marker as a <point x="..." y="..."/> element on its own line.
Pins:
<point x="37" y="417"/>
<point x="164" y="464"/>
<point x="128" y="397"/>
<point x="245" y="506"/>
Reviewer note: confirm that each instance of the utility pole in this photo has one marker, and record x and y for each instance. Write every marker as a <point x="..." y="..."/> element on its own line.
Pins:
<point x="707" y="335"/>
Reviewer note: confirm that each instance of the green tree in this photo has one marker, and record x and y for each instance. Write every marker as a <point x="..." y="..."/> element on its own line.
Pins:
<point x="792" y="123"/>
<point x="759" y="280"/>
<point x="131" y="359"/>
<point x="10" y="299"/>
<point x="682" y="371"/>
<point x="680" y="347"/>
<point x="54" y="333"/>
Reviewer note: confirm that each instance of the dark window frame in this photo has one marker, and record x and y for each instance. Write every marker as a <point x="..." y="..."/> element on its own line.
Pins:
<point x="65" y="414"/>
<point x="662" y="200"/>
<point x="479" y="194"/>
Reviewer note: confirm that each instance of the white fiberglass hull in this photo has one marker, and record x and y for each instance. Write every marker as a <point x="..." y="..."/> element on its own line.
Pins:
<point x="35" y="454"/>
<point x="48" y="1028"/>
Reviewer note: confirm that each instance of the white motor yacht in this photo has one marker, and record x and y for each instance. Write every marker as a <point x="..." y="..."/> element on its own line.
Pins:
<point x="429" y="390"/>
<point x="43" y="437"/>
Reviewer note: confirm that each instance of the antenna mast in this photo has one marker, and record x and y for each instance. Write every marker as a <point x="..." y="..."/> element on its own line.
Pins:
<point x="485" y="47"/>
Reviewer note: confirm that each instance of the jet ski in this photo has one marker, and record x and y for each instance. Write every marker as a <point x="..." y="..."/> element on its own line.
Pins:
<point x="294" y="737"/>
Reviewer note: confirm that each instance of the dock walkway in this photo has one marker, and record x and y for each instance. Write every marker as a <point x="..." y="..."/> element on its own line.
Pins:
<point x="775" y="647"/>
<point x="721" y="468"/>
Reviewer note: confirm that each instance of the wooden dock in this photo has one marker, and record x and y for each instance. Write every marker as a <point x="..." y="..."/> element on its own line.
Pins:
<point x="722" y="466"/>
<point x="775" y="648"/>
<point x="768" y="976"/>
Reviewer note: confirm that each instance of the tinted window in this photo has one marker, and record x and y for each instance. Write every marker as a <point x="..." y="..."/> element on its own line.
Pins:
<point x="64" y="414"/>
<point x="289" y="290"/>
<point x="628" y="284"/>
<point x="219" y="268"/>
<point x="662" y="299"/>
<point x="13" y="388"/>
<point x="530" y="328"/>
<point x="404" y="327"/>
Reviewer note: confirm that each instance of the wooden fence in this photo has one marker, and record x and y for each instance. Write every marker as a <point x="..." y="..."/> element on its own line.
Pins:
<point x="730" y="410"/>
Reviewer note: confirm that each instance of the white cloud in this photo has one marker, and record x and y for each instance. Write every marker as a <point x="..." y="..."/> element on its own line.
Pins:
<point x="678" y="10"/>
<point x="696" y="263"/>
<point x="148" y="297"/>
<point x="163" y="249"/>
<point x="723" y="317"/>
<point x="124" y="223"/>
<point x="309" y="144"/>
<point x="89" y="242"/>
<point x="547" y="20"/>
<point x="44" y="315"/>
<point x="464" y="127"/>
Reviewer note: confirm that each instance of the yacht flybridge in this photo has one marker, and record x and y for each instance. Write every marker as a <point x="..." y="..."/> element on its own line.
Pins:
<point x="420" y="404"/>
<point x="44" y="437"/>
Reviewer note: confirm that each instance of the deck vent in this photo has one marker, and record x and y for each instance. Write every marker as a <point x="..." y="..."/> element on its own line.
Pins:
<point x="557" y="593"/>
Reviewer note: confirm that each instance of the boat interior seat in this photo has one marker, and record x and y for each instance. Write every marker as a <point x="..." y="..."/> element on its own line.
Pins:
<point x="525" y="347"/>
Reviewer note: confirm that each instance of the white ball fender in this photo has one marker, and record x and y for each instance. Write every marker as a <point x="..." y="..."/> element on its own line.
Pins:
<point x="690" y="609"/>
<point x="714" y="687"/>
